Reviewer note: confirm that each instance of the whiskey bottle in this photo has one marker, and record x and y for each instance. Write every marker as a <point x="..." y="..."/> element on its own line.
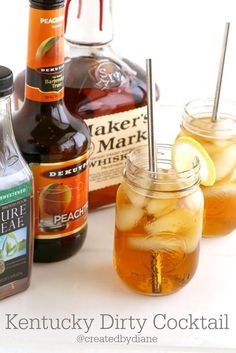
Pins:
<point x="54" y="143"/>
<point x="16" y="206"/>
<point x="108" y="92"/>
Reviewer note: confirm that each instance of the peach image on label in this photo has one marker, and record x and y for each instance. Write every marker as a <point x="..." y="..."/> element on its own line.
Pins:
<point x="54" y="199"/>
<point x="49" y="49"/>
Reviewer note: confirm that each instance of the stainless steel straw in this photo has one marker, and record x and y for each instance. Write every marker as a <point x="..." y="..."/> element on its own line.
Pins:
<point x="152" y="160"/>
<point x="150" y="109"/>
<point x="220" y="74"/>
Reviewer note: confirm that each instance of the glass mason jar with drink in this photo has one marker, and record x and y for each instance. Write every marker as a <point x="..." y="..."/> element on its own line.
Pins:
<point x="219" y="140"/>
<point x="158" y="223"/>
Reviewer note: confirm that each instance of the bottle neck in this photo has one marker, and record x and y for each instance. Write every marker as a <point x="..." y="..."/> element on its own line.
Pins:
<point x="6" y="133"/>
<point x="5" y="117"/>
<point x="88" y="22"/>
<point x="45" y="60"/>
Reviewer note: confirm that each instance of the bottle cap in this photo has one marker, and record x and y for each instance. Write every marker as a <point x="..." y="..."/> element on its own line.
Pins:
<point x="6" y="81"/>
<point x="47" y="3"/>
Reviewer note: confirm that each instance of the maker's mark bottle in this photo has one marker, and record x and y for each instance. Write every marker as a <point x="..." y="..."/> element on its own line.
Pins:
<point x="105" y="90"/>
<point x="53" y="142"/>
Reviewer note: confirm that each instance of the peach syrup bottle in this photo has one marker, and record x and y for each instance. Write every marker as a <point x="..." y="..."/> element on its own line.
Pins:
<point x="54" y="143"/>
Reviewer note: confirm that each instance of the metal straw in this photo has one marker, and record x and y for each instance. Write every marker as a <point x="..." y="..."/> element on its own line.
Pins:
<point x="220" y="74"/>
<point x="152" y="160"/>
<point x="150" y="109"/>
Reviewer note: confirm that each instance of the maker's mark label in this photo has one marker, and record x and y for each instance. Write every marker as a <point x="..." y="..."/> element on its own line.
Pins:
<point x="113" y="136"/>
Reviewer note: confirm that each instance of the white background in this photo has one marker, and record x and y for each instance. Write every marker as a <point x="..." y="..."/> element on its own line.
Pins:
<point x="184" y="38"/>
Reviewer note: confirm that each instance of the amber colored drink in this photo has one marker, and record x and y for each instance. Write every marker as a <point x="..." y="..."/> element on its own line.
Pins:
<point x="219" y="140"/>
<point x="157" y="234"/>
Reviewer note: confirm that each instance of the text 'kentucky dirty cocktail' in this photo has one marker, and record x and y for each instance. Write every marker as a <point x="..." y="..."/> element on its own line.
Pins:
<point x="158" y="223"/>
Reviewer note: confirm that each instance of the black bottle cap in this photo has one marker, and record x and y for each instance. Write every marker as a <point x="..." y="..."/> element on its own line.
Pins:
<point x="6" y="81"/>
<point x="46" y="4"/>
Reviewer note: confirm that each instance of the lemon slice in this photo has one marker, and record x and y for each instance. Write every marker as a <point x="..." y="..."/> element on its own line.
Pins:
<point x="185" y="150"/>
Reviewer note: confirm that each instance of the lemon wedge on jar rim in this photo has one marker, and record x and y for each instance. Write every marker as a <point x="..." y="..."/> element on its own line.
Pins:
<point x="185" y="149"/>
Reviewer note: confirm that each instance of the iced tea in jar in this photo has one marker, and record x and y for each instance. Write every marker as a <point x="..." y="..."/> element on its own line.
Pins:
<point x="219" y="140"/>
<point x="158" y="223"/>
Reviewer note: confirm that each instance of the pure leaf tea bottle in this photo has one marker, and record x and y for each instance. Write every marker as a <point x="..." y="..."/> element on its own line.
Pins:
<point x="105" y="90"/>
<point x="53" y="142"/>
<point x="16" y="192"/>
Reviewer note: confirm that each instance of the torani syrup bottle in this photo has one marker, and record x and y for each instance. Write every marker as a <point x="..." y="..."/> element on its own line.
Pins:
<point x="53" y="142"/>
<point x="16" y="205"/>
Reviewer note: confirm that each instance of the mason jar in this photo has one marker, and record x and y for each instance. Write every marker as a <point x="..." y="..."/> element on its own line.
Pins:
<point x="158" y="223"/>
<point x="219" y="140"/>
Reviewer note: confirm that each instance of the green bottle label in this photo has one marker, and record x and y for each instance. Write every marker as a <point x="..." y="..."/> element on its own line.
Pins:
<point x="15" y="218"/>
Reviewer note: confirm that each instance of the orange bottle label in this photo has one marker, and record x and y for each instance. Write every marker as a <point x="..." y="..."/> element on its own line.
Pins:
<point x="61" y="197"/>
<point x="45" y="63"/>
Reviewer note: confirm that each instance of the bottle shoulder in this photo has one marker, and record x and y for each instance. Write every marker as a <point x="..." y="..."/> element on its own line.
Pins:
<point x="13" y="168"/>
<point x="16" y="172"/>
<point x="49" y="133"/>
<point x="98" y="82"/>
<point x="95" y="57"/>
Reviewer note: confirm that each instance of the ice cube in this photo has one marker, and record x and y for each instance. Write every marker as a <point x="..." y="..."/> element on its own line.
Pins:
<point x="193" y="201"/>
<point x="220" y="205"/>
<point x="160" y="207"/>
<point x="160" y="242"/>
<point x="202" y="123"/>
<point x="135" y="197"/>
<point x="232" y="177"/>
<point x="221" y="143"/>
<point x="225" y="161"/>
<point x="210" y="147"/>
<point x="172" y="222"/>
<point x="184" y="224"/>
<point x="121" y="197"/>
<point x="127" y="217"/>
<point x="192" y="237"/>
<point x="224" y="124"/>
<point x="166" y="242"/>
